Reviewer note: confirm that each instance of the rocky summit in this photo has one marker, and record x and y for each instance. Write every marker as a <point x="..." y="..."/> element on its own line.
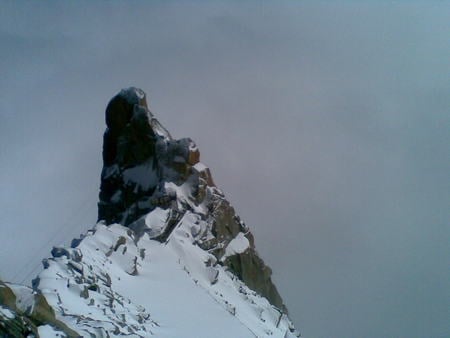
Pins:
<point x="168" y="257"/>
<point x="145" y="168"/>
<point x="139" y="157"/>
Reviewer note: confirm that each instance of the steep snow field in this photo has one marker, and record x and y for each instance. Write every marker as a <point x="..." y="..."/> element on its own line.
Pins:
<point x="114" y="282"/>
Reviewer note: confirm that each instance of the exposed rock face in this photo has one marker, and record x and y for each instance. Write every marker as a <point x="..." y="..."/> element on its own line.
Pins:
<point x="145" y="168"/>
<point x="139" y="155"/>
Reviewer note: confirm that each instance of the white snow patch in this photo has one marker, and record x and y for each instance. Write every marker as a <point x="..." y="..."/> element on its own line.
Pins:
<point x="143" y="175"/>
<point x="183" y="193"/>
<point x="4" y="312"/>
<point x="24" y="297"/>
<point x="156" y="221"/>
<point x="237" y="245"/>
<point x="48" y="331"/>
<point x="159" y="129"/>
<point x="200" y="167"/>
<point x="193" y="146"/>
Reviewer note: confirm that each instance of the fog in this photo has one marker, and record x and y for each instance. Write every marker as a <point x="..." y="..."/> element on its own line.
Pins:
<point x="325" y="124"/>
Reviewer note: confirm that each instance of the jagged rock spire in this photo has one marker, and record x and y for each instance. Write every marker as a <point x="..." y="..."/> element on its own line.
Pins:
<point x="139" y="155"/>
<point x="145" y="168"/>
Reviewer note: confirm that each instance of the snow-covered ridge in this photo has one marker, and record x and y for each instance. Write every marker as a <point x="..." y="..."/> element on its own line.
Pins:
<point x="114" y="284"/>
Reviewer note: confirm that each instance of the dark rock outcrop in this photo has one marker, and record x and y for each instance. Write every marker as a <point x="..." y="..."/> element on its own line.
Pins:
<point x="141" y="161"/>
<point x="139" y="155"/>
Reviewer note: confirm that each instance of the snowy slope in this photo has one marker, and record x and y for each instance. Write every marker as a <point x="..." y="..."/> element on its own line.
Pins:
<point x="113" y="283"/>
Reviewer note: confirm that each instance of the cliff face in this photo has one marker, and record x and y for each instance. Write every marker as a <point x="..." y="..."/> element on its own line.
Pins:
<point x="145" y="168"/>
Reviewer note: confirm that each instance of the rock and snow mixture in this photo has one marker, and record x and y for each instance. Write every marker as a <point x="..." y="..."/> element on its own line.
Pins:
<point x="114" y="284"/>
<point x="169" y="256"/>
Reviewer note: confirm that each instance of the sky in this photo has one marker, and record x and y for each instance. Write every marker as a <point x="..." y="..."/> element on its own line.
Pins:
<point x="325" y="124"/>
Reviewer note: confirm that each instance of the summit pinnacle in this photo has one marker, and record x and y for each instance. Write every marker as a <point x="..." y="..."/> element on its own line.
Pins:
<point x="144" y="168"/>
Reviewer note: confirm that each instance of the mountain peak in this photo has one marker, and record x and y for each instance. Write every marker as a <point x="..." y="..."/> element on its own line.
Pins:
<point x="167" y="249"/>
<point x="139" y="156"/>
<point x="145" y="168"/>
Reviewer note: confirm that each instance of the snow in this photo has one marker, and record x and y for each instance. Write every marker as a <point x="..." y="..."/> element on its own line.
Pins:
<point x="144" y="176"/>
<point x="115" y="283"/>
<point x="171" y="289"/>
<point x="193" y="147"/>
<point x="120" y="283"/>
<point x="4" y="312"/>
<point x="159" y="129"/>
<point x="200" y="167"/>
<point x="24" y="297"/>
<point x="47" y="331"/>
<point x="183" y="192"/>
<point x="237" y="245"/>
<point x="176" y="303"/>
<point x="156" y="221"/>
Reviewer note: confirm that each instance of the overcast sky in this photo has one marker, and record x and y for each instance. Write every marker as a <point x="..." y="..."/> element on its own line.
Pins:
<point x="326" y="125"/>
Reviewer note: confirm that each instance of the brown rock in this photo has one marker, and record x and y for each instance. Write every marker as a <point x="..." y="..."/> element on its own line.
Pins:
<point x="193" y="156"/>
